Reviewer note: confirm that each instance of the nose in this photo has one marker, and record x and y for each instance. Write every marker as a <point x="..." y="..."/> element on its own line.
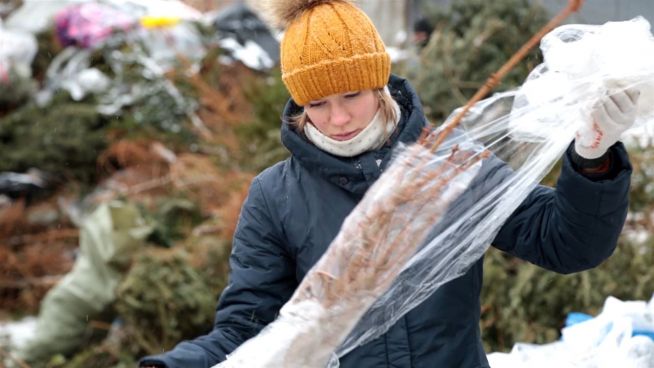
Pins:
<point x="339" y="116"/>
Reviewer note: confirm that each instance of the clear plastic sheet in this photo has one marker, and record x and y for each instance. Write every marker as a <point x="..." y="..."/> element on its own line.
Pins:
<point x="408" y="235"/>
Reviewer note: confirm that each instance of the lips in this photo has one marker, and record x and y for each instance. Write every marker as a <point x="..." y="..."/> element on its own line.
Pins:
<point x="346" y="136"/>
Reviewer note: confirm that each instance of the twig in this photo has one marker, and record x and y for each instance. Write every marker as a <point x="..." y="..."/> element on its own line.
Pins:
<point x="130" y="190"/>
<point x="99" y="325"/>
<point x="30" y="281"/>
<point x="51" y="235"/>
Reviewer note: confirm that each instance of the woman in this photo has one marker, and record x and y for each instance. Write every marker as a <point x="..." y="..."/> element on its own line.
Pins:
<point x="346" y="114"/>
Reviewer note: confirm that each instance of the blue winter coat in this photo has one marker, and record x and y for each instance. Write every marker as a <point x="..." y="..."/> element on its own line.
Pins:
<point x="295" y="208"/>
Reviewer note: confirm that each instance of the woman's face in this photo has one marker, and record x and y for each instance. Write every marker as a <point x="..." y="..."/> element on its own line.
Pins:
<point x="343" y="116"/>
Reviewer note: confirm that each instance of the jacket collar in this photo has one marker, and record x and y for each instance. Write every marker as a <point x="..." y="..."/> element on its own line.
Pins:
<point x="347" y="172"/>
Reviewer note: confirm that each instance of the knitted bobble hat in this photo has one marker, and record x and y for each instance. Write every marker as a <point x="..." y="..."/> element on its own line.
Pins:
<point x="329" y="47"/>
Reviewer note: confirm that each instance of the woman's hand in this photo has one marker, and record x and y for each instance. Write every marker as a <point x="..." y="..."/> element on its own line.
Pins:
<point x="610" y="117"/>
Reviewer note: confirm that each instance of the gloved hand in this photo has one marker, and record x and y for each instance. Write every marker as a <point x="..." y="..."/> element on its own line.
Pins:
<point x="610" y="116"/>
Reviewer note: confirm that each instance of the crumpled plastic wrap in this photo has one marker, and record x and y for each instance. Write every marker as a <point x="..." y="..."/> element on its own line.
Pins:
<point x="365" y="282"/>
<point x="620" y="336"/>
<point x="582" y="62"/>
<point x="17" y="50"/>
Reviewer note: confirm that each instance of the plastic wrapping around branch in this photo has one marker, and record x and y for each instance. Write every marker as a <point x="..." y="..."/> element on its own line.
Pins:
<point x="376" y="240"/>
<point x="432" y="215"/>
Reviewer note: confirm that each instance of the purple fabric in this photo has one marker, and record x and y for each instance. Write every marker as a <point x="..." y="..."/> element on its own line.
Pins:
<point x="87" y="25"/>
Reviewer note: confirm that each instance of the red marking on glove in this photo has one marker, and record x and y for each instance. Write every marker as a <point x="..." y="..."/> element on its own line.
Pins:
<point x="599" y="134"/>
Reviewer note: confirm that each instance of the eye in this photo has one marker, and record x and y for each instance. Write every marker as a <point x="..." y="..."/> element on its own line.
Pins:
<point x="353" y="94"/>
<point x="315" y="104"/>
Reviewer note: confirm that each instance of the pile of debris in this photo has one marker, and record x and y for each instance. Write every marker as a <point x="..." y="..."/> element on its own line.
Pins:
<point x="127" y="129"/>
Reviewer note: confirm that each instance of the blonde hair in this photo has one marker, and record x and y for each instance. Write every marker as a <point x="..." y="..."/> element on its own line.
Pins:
<point x="386" y="103"/>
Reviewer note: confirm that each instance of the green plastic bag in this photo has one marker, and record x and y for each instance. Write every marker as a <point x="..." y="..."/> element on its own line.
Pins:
<point x="108" y="240"/>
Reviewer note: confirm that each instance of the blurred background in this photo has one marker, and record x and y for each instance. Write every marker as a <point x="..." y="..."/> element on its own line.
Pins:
<point x="129" y="133"/>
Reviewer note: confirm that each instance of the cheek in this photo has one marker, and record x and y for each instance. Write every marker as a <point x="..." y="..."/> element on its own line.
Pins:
<point x="368" y="110"/>
<point x="317" y="119"/>
<point x="372" y="112"/>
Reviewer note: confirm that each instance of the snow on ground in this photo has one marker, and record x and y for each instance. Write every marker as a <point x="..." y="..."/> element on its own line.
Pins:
<point x="15" y="334"/>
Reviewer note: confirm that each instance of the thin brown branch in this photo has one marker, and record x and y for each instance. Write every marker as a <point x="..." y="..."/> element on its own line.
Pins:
<point x="47" y="236"/>
<point x="28" y="282"/>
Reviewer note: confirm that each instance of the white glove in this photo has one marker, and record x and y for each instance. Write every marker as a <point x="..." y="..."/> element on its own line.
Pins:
<point x="610" y="116"/>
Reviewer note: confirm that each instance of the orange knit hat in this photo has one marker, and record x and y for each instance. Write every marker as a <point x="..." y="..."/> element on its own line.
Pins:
<point x="329" y="47"/>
